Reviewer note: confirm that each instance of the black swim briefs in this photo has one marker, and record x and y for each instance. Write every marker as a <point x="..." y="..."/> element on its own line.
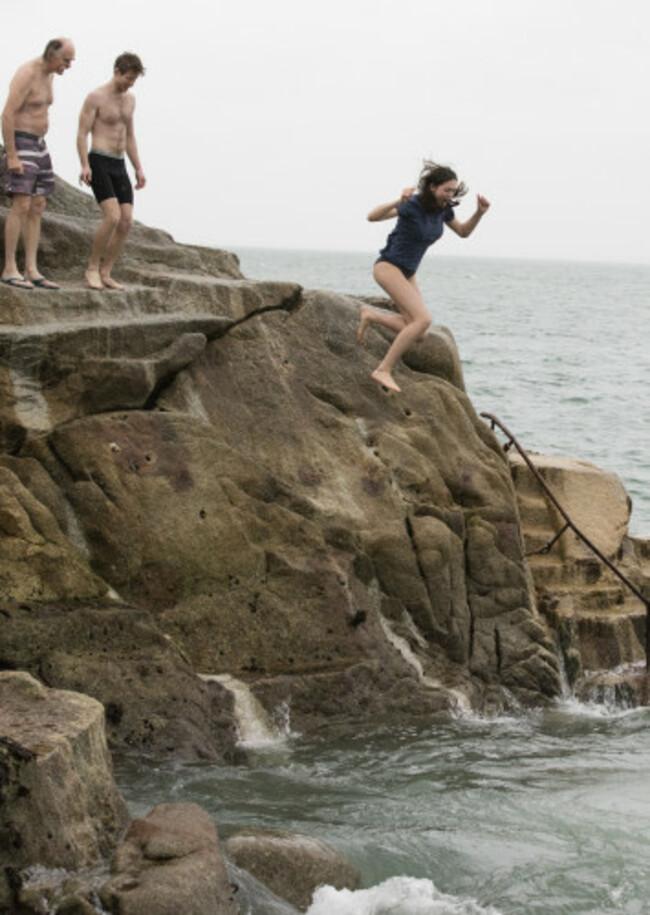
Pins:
<point x="109" y="178"/>
<point x="407" y="273"/>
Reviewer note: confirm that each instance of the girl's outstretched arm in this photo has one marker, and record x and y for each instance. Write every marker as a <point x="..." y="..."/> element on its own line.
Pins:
<point x="464" y="229"/>
<point x="389" y="210"/>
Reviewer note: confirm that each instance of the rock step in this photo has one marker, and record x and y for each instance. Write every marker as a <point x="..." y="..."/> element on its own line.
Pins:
<point x="546" y="569"/>
<point x="105" y="339"/>
<point x="552" y="567"/>
<point x="604" y="600"/>
<point x="77" y="302"/>
<point x="607" y="600"/>
<point x="642" y="548"/>
<point x="536" y="537"/>
<point x="534" y="512"/>
<point x="151" y="293"/>
<point x="608" y="641"/>
<point x="526" y="483"/>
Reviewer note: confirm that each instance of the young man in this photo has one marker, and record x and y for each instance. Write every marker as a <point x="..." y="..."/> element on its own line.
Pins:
<point x="107" y="114"/>
<point x="27" y="166"/>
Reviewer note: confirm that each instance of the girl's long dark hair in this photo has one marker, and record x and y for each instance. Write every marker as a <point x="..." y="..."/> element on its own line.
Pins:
<point x="432" y="175"/>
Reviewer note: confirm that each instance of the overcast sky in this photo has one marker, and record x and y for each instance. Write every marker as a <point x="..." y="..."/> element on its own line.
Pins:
<point x="280" y="123"/>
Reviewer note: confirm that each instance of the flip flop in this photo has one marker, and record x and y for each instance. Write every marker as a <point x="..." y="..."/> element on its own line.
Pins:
<point x="17" y="282"/>
<point x="43" y="283"/>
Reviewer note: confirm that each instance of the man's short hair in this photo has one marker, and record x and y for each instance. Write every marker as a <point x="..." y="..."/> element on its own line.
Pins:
<point x="129" y="63"/>
<point x="52" y="48"/>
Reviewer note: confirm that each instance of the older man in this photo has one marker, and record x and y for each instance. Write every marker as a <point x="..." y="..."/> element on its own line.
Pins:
<point x="107" y="115"/>
<point x="28" y="174"/>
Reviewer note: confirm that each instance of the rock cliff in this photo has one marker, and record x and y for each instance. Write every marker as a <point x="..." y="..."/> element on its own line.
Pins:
<point x="198" y="477"/>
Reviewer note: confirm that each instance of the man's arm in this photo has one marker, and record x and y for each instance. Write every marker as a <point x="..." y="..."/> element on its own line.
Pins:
<point x="132" y="151"/>
<point x="86" y="121"/>
<point x="465" y="229"/>
<point x="18" y="92"/>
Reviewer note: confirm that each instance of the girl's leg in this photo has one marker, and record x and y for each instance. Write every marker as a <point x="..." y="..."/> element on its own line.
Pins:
<point x="414" y="317"/>
<point x="369" y="315"/>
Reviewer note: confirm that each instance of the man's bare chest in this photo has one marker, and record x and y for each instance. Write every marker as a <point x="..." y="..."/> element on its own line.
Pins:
<point x="115" y="112"/>
<point x="40" y="94"/>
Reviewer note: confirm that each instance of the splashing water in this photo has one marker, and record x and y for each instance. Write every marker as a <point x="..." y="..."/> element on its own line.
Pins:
<point x="397" y="896"/>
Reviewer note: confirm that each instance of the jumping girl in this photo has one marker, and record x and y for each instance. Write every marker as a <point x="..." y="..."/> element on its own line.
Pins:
<point x="421" y="218"/>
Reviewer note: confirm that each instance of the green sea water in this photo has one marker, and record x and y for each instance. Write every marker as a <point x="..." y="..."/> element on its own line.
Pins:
<point x="545" y="812"/>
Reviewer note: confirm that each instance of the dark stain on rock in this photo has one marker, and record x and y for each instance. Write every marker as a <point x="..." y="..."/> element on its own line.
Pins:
<point x="310" y="476"/>
<point x="156" y="586"/>
<point x="373" y="482"/>
<point x="114" y="713"/>
<point x="147" y="445"/>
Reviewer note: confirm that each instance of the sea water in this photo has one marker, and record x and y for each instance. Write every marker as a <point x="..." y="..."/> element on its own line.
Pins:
<point x="556" y="350"/>
<point x="537" y="813"/>
<point x="544" y="812"/>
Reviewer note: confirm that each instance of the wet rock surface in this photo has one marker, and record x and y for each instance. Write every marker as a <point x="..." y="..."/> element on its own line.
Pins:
<point x="291" y="865"/>
<point x="168" y="863"/>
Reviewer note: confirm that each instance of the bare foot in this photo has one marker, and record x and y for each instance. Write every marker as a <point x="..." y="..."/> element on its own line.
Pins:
<point x="364" y="321"/>
<point x="93" y="279"/>
<point x="110" y="283"/>
<point x="385" y="379"/>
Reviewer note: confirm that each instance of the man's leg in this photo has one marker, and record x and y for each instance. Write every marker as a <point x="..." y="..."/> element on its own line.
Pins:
<point x="115" y="246"/>
<point x="101" y="241"/>
<point x="32" y="236"/>
<point x="14" y="227"/>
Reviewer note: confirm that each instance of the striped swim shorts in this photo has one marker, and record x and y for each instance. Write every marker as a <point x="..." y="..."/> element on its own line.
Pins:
<point x="37" y="177"/>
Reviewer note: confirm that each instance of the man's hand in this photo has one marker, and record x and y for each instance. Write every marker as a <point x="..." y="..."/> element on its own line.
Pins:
<point x="140" y="180"/>
<point x="482" y="204"/>
<point x="14" y="164"/>
<point x="86" y="175"/>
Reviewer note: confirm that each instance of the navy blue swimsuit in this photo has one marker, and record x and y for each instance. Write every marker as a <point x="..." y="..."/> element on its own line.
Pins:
<point x="416" y="230"/>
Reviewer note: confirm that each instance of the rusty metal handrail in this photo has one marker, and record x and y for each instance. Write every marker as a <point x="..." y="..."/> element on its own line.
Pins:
<point x="570" y="524"/>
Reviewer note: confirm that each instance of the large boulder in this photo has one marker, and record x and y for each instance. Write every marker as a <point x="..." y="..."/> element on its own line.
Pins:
<point x="211" y="451"/>
<point x="168" y="863"/>
<point x="594" y="499"/>
<point x="291" y="865"/>
<point x="59" y="804"/>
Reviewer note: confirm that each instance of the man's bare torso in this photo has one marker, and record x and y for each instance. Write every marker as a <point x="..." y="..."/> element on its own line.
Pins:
<point x="32" y="116"/>
<point x="113" y="114"/>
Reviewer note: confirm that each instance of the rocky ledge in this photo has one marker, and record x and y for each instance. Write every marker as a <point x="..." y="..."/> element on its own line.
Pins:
<point x="199" y="477"/>
<point x="201" y="487"/>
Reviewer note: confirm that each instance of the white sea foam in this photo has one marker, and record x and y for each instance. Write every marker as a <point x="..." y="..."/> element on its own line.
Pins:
<point x="610" y="708"/>
<point x="396" y="896"/>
